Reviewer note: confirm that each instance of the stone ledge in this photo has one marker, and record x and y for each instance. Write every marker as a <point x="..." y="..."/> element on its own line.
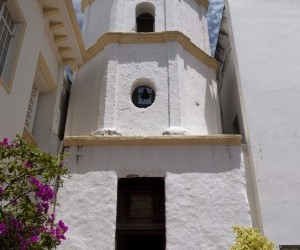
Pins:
<point x="74" y="141"/>
<point x="152" y="37"/>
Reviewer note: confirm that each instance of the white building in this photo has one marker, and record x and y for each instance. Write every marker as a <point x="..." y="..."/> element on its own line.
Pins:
<point x="154" y="158"/>
<point x="143" y="134"/>
<point x="261" y="88"/>
<point x="37" y="41"/>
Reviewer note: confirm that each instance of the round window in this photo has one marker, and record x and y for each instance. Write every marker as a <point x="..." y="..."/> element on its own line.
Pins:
<point x="143" y="96"/>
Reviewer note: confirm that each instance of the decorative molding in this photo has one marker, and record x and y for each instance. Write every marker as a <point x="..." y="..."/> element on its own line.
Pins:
<point x="59" y="38"/>
<point x="204" y="3"/>
<point x="76" y="29"/>
<point x="50" y="11"/>
<point x="68" y="60"/>
<point x="43" y="65"/>
<point x="155" y="37"/>
<point x="55" y="25"/>
<point x="218" y="140"/>
<point x="107" y="38"/>
<point x="64" y="50"/>
<point x="85" y="3"/>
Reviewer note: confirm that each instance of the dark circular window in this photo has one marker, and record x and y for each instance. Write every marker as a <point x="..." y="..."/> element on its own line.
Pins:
<point x="143" y="96"/>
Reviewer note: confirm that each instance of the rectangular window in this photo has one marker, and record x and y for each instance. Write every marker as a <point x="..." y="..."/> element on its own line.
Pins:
<point x="12" y="28"/>
<point x="6" y="33"/>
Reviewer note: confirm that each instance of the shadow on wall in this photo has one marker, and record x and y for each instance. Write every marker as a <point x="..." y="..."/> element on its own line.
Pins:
<point x="210" y="109"/>
<point x="154" y="160"/>
<point x="194" y="5"/>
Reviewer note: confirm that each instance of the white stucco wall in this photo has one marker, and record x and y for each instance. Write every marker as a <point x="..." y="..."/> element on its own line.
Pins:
<point x="186" y="100"/>
<point x="186" y="16"/>
<point x="202" y="108"/>
<point x="205" y="193"/>
<point x="88" y="206"/>
<point x="13" y="106"/>
<point x="191" y="20"/>
<point x="201" y="209"/>
<point x="88" y="97"/>
<point x="266" y="42"/>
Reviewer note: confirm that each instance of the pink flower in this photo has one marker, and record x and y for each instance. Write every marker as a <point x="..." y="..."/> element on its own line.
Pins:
<point x="45" y="193"/>
<point x="42" y="207"/>
<point x="52" y="218"/>
<point x="34" y="181"/>
<point x="62" y="226"/>
<point x="28" y="164"/>
<point x="34" y="239"/>
<point x="5" y="141"/>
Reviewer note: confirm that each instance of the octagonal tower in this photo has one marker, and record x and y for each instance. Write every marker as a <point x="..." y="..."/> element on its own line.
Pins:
<point x="161" y="45"/>
<point x="150" y="167"/>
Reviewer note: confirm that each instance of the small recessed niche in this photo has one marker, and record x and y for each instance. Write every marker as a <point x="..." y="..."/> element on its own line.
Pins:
<point x="143" y="96"/>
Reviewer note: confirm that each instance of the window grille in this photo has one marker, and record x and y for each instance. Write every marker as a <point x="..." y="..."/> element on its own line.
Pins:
<point x="6" y="32"/>
<point x="31" y="108"/>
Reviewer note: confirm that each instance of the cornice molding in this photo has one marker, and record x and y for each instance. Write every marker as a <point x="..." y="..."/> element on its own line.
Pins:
<point x="218" y="140"/>
<point x="122" y="37"/>
<point x="64" y="31"/>
<point x="155" y="37"/>
<point x="85" y="3"/>
<point x="75" y="26"/>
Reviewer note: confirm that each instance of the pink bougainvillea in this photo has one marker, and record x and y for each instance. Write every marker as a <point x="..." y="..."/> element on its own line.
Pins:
<point x="27" y="180"/>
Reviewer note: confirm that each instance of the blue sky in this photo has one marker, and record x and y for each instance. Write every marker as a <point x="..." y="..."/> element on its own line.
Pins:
<point x="214" y="16"/>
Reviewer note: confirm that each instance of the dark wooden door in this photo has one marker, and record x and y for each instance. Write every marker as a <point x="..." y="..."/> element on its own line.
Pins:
<point x="141" y="214"/>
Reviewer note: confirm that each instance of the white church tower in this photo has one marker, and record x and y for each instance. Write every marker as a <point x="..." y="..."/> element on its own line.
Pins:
<point x="150" y="167"/>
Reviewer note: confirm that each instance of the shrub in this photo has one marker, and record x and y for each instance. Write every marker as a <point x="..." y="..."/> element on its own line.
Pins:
<point x="27" y="180"/>
<point x="250" y="239"/>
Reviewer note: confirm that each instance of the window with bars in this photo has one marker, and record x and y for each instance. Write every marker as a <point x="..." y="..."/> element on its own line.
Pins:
<point x="6" y="32"/>
<point x="33" y="101"/>
<point x="12" y="29"/>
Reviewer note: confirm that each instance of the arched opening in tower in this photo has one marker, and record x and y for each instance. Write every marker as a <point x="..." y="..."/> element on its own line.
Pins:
<point x="145" y="22"/>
